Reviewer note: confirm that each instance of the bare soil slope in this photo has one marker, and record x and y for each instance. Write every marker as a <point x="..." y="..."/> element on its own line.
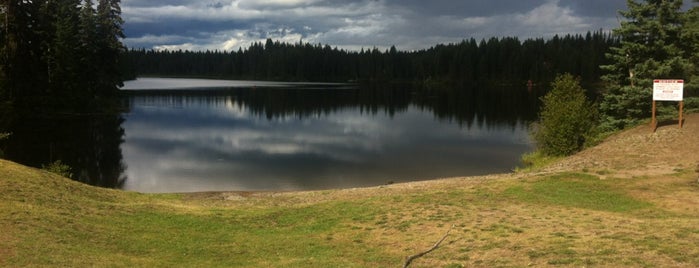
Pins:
<point x="641" y="152"/>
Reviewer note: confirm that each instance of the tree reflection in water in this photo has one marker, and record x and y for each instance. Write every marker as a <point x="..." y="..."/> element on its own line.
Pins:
<point x="316" y="138"/>
<point x="90" y="144"/>
<point x="302" y="137"/>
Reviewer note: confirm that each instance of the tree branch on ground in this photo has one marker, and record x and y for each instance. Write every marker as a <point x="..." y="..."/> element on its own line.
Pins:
<point x="411" y="258"/>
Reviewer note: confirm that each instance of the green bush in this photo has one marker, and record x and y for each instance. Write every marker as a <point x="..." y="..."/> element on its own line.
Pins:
<point x="566" y="118"/>
<point x="57" y="167"/>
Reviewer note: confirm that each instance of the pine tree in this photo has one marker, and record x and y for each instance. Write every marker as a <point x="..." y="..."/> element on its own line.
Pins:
<point x="649" y="49"/>
<point x="60" y="52"/>
<point x="690" y="42"/>
<point x="110" y="48"/>
<point x="88" y="47"/>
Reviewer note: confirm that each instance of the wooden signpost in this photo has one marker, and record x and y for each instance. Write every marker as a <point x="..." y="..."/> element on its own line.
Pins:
<point x="667" y="90"/>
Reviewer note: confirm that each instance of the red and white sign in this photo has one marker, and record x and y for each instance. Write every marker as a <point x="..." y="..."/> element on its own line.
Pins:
<point x="668" y="89"/>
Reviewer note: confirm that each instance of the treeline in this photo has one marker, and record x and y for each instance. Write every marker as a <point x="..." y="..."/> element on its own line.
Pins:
<point x="60" y="55"/>
<point x="496" y="60"/>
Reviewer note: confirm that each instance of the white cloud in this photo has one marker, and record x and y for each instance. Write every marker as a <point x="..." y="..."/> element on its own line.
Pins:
<point x="231" y="44"/>
<point x="551" y="18"/>
<point x="185" y="46"/>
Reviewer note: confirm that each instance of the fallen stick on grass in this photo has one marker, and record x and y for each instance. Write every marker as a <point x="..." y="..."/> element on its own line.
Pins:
<point x="413" y="257"/>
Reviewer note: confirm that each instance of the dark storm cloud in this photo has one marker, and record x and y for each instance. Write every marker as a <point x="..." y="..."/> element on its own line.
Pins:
<point x="465" y="8"/>
<point x="187" y="27"/>
<point x="408" y="24"/>
<point x="155" y="3"/>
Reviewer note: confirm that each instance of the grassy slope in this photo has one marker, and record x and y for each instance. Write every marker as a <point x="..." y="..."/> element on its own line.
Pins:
<point x="49" y="220"/>
<point x="558" y="218"/>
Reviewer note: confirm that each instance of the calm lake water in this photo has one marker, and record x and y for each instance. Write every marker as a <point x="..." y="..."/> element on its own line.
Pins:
<point x="212" y="135"/>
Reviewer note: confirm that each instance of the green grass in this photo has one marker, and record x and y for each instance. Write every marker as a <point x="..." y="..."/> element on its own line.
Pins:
<point x="57" y="222"/>
<point x="536" y="160"/>
<point x="576" y="190"/>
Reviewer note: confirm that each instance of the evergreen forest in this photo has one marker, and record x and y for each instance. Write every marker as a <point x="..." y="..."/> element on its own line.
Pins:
<point x="60" y="55"/>
<point x="60" y="65"/>
<point x="499" y="61"/>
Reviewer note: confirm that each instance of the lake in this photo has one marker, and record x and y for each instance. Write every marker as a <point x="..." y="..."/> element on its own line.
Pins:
<point x="186" y="135"/>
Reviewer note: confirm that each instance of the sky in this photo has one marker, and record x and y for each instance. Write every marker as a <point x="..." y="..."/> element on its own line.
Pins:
<point x="355" y="24"/>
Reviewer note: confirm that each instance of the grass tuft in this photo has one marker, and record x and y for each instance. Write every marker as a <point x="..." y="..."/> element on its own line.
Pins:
<point x="536" y="160"/>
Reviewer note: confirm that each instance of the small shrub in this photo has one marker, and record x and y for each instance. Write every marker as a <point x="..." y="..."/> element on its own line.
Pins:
<point x="566" y="118"/>
<point x="57" y="167"/>
<point x="536" y="160"/>
<point x="691" y="105"/>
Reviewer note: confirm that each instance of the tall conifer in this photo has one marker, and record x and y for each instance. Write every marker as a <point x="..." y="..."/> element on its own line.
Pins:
<point x="690" y="42"/>
<point x="89" y="47"/>
<point x="60" y="51"/>
<point x="649" y="49"/>
<point x="110" y="48"/>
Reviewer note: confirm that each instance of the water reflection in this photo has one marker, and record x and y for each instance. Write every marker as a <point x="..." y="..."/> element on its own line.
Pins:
<point x="88" y="143"/>
<point x="300" y="138"/>
<point x="170" y="84"/>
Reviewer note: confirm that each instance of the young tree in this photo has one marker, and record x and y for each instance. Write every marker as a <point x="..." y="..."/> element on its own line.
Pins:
<point x="649" y="49"/>
<point x="566" y="118"/>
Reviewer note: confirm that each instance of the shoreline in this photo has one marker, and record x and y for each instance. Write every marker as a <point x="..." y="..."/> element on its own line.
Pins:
<point x="615" y="204"/>
<point x="584" y="162"/>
